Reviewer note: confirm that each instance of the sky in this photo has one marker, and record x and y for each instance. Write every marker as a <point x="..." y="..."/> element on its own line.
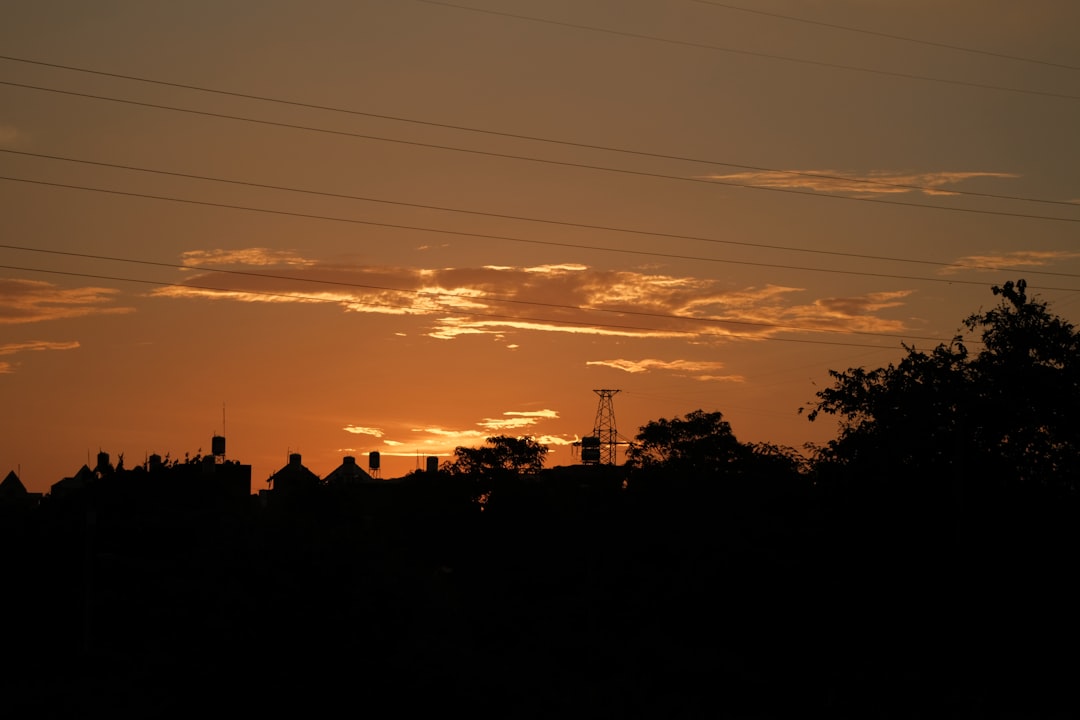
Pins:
<point x="344" y="226"/>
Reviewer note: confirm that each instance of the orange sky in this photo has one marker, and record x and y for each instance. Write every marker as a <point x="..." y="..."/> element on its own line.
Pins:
<point x="366" y="241"/>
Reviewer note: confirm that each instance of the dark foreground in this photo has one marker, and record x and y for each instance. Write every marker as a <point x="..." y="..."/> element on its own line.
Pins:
<point x="566" y="596"/>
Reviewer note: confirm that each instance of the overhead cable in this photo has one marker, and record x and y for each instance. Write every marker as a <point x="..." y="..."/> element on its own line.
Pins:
<point x="889" y="36"/>
<point x="522" y="218"/>
<point x="753" y="53"/>
<point x="545" y="161"/>
<point x="486" y="236"/>
<point x="515" y="136"/>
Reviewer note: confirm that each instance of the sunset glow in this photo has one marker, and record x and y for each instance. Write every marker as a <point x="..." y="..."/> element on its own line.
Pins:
<point x="402" y="227"/>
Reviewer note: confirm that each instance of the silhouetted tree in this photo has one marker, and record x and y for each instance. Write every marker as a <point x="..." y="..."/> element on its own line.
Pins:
<point x="503" y="455"/>
<point x="1008" y="413"/>
<point x="699" y="444"/>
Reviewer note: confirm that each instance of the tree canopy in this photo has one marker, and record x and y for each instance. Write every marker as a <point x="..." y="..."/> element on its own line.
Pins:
<point x="698" y="443"/>
<point x="1006" y="413"/>
<point x="501" y="455"/>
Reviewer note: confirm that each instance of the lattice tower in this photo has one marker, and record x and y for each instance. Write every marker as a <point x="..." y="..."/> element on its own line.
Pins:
<point x="604" y="427"/>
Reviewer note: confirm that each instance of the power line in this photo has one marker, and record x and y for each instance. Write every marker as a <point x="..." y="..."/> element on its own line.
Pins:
<point x="890" y="36"/>
<point x="320" y="193"/>
<point x="485" y="236"/>
<point x="558" y="163"/>
<point x="509" y="135"/>
<point x="751" y="53"/>
<point x="513" y="318"/>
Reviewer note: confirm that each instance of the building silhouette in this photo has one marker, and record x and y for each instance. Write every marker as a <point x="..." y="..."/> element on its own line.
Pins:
<point x="347" y="474"/>
<point x="14" y="495"/>
<point x="294" y="480"/>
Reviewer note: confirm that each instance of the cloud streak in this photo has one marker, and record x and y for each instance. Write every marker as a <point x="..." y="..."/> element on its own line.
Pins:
<point x="7" y="367"/>
<point x="252" y="257"/>
<point x="877" y="182"/>
<point x="435" y="440"/>
<point x="359" y="430"/>
<point x="31" y="301"/>
<point x="1013" y="259"/>
<point x="569" y="299"/>
<point x="516" y="420"/>
<point x="698" y="369"/>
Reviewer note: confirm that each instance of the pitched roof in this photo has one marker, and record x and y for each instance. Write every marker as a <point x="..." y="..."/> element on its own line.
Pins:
<point x="79" y="480"/>
<point x="348" y="472"/>
<point x="12" y="486"/>
<point x="293" y="475"/>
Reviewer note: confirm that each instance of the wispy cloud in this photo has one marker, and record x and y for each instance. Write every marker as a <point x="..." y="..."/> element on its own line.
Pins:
<point x="500" y="301"/>
<point x="359" y="430"/>
<point x="851" y="313"/>
<point x="555" y="439"/>
<point x="258" y="257"/>
<point x="32" y="345"/>
<point x="699" y="369"/>
<point x="7" y="367"/>
<point x="30" y="301"/>
<point x="446" y="438"/>
<point x="877" y="182"/>
<point x="452" y="327"/>
<point x="440" y="440"/>
<point x="1012" y="259"/>
<point x="516" y="420"/>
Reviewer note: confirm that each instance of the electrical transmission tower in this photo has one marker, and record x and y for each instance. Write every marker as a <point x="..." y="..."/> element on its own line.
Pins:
<point x="604" y="427"/>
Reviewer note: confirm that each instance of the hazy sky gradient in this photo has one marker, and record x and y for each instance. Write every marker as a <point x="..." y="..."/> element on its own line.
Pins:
<point x="365" y="283"/>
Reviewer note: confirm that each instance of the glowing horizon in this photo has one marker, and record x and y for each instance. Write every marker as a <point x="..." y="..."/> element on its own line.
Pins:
<point x="431" y="229"/>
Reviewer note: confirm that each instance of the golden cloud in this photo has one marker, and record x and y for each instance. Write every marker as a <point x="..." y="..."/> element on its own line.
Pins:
<point x="444" y="440"/>
<point x="1017" y="258"/>
<point x="692" y="368"/>
<point x="500" y="424"/>
<point x="31" y="345"/>
<point x="513" y="420"/>
<point x="450" y="328"/>
<point x="549" y="414"/>
<point x="498" y="301"/>
<point x="6" y="368"/>
<point x="852" y="313"/>
<point x="258" y="257"/>
<point x="878" y="182"/>
<point x="555" y="440"/>
<point x="359" y="430"/>
<point x="638" y="366"/>
<point x="30" y="301"/>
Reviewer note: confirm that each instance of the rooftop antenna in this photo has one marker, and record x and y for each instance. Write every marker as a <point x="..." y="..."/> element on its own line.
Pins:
<point x="217" y="442"/>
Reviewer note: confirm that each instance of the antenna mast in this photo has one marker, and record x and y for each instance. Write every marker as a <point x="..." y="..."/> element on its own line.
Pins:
<point x="604" y="427"/>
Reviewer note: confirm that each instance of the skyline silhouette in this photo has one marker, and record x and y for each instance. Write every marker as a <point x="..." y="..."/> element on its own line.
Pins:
<point x="406" y="227"/>
<point x="827" y="251"/>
